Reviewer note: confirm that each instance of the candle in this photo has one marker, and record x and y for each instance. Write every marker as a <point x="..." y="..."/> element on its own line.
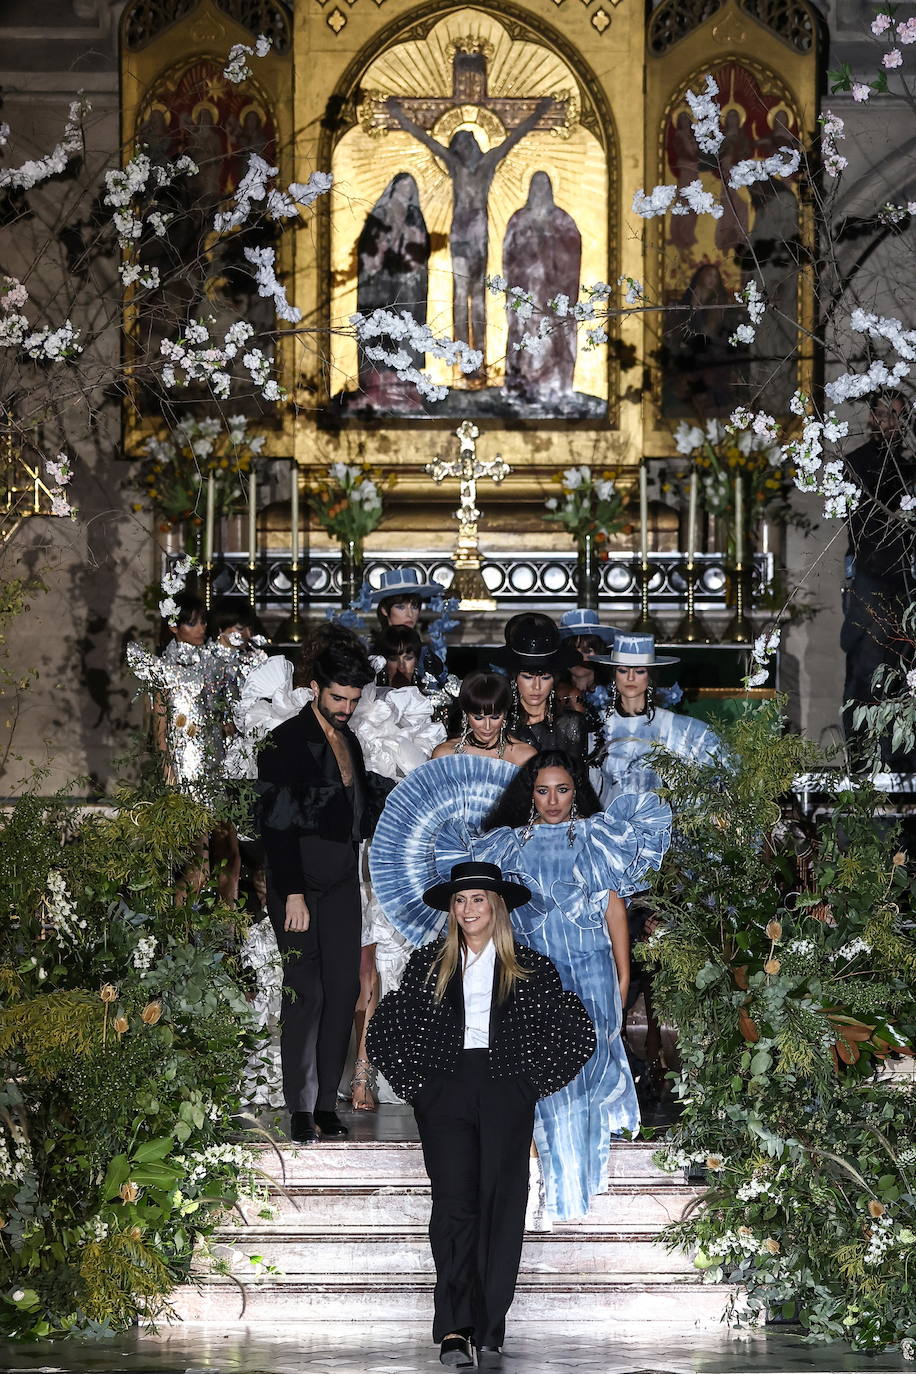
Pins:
<point x="210" y="519"/>
<point x="643" y="512"/>
<point x="739" y="520"/>
<point x="294" y="514"/>
<point x="252" y="516"/>
<point x="692" y="518"/>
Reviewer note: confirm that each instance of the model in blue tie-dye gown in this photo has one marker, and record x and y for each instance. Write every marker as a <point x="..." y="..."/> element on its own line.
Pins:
<point x="611" y="852"/>
<point x="431" y="821"/>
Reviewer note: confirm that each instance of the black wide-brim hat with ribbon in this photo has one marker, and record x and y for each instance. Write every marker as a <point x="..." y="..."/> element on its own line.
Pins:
<point x="534" y="645"/>
<point x="471" y="876"/>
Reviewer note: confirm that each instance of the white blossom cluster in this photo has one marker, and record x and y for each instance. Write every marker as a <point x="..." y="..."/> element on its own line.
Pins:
<point x="911" y="681"/>
<point x="253" y="188"/>
<point x="785" y="162"/>
<point x="534" y="343"/>
<point x="144" y="953"/>
<point x="751" y="296"/>
<point x="4" y="134"/>
<point x="200" y="1165"/>
<point x="59" y="472"/>
<point x="135" y="273"/>
<point x="141" y="176"/>
<point x="403" y="328"/>
<point x="33" y="172"/>
<point x="806" y="451"/>
<point x="15" y="1150"/>
<point x="42" y="345"/>
<point x="189" y="361"/>
<point x="356" y="484"/>
<point x="801" y="947"/>
<point x="833" y="130"/>
<point x="634" y="292"/>
<point x="742" y="1241"/>
<point x="704" y="107"/>
<point x="880" y="1240"/>
<point x="173" y="582"/>
<point x="765" y="646"/>
<point x="59" y="912"/>
<point x="237" y="69"/>
<point x="851" y="385"/>
<point x="851" y="950"/>
<point x="52" y="345"/>
<point x="262" y="259"/>
<point x="756" y="1186"/>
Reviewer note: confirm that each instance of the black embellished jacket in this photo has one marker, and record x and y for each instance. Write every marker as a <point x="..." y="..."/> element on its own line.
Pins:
<point x="540" y="1032"/>
<point x="301" y="795"/>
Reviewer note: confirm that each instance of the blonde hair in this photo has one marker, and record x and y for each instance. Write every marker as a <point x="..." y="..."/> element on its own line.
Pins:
<point x="446" y="962"/>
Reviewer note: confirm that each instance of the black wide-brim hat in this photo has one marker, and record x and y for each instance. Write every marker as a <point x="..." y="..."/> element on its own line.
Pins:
<point x="534" y="645"/>
<point x="472" y="876"/>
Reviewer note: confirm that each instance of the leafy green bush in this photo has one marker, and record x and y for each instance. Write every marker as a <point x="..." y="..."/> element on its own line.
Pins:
<point x="124" y="1030"/>
<point x="785" y="957"/>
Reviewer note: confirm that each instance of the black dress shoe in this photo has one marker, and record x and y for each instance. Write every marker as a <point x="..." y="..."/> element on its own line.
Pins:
<point x="330" y="1124"/>
<point x="302" y="1128"/>
<point x="456" y="1351"/>
<point x="489" y="1357"/>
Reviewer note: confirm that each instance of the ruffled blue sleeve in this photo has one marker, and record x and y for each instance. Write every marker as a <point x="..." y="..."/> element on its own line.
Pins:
<point x="621" y="845"/>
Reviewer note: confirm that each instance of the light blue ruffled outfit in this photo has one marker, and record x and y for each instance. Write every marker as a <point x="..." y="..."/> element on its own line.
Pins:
<point x="611" y="852"/>
<point x="630" y="739"/>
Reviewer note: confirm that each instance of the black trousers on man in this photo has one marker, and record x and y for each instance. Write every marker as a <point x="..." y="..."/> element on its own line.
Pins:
<point x="320" y="974"/>
<point x="476" y="1136"/>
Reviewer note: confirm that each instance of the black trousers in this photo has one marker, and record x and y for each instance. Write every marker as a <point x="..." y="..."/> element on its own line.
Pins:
<point x="476" y="1136"/>
<point x="320" y="975"/>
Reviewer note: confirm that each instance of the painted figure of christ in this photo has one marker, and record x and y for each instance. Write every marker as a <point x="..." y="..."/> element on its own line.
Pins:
<point x="471" y="171"/>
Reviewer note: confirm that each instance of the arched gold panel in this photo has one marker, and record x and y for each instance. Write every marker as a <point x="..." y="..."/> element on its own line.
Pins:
<point x="764" y="59"/>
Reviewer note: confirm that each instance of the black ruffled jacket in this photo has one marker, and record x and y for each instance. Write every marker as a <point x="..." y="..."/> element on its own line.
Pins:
<point x="540" y="1032"/>
<point x="300" y="794"/>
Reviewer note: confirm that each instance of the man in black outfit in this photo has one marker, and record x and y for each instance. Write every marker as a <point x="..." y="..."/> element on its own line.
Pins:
<point x="879" y="560"/>
<point x="316" y="803"/>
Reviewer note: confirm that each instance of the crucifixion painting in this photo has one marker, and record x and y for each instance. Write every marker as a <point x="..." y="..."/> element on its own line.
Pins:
<point x="445" y="153"/>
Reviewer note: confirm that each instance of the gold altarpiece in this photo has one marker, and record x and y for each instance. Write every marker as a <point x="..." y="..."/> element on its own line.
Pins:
<point x="573" y="105"/>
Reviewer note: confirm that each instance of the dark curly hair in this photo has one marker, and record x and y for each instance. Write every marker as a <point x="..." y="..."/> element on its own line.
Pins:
<point x="334" y="654"/>
<point x="514" y="806"/>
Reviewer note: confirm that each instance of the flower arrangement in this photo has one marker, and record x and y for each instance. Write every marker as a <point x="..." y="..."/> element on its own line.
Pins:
<point x="588" y="504"/>
<point x="173" y="475"/>
<point x="124" y="1033"/>
<point x="346" y="500"/>
<point x="785" y="956"/>
<point x="719" y="453"/>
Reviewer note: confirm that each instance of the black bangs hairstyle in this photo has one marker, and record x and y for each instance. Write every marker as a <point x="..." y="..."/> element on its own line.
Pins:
<point x="386" y="603"/>
<point x="397" y="640"/>
<point x="229" y="611"/>
<point x="480" y="694"/>
<point x="514" y="806"/>
<point x="190" y="608"/>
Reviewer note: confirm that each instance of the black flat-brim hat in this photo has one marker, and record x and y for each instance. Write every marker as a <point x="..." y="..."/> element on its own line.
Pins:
<point x="476" y="877"/>
<point x="534" y="645"/>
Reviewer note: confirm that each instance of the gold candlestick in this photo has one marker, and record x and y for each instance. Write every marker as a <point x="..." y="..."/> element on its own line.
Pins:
<point x="644" y="622"/>
<point x="692" y="629"/>
<point x="292" y="631"/>
<point x="739" y="629"/>
<point x="252" y="535"/>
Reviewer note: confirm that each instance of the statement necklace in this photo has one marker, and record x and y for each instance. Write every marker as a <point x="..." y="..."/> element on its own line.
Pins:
<point x="499" y="744"/>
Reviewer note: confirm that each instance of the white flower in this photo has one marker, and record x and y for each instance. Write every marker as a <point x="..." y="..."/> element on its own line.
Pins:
<point x="705" y="111"/>
<point x="263" y="260"/>
<point x="496" y="285"/>
<point x="604" y="489"/>
<point x="908" y="503"/>
<point x="657" y="203"/>
<point x="33" y="172"/>
<point x="262" y="45"/>
<point x="701" y="201"/>
<point x="860" y="92"/>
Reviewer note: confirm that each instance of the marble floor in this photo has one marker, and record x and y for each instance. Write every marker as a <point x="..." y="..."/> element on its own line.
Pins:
<point x="349" y="1350"/>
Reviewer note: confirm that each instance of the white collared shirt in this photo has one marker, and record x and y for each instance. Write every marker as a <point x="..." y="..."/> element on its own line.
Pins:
<point x="478" y="993"/>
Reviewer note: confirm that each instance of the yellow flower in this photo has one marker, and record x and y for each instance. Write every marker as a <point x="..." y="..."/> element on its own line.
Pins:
<point x="774" y="930"/>
<point x="120" y="1024"/>
<point x="151" y="1013"/>
<point x="109" y="993"/>
<point x="129" y="1191"/>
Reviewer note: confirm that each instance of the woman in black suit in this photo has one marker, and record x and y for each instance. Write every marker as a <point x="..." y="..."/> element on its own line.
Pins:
<point x="479" y="1029"/>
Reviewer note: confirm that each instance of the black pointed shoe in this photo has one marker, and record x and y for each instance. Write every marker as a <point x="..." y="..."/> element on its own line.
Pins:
<point x="489" y="1357"/>
<point x="330" y="1125"/>
<point x="302" y="1128"/>
<point x="457" y="1351"/>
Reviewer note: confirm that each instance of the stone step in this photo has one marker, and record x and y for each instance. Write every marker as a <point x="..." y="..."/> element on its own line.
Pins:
<point x="683" y="1303"/>
<point x="382" y="1162"/>
<point x="646" y="1204"/>
<point x="361" y="1251"/>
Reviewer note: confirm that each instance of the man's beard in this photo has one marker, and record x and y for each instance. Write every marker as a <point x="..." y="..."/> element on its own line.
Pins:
<point x="339" y="722"/>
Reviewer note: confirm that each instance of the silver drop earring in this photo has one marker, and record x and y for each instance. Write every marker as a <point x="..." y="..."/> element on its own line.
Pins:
<point x="529" y="828"/>
<point x="462" y="744"/>
<point x="571" y="831"/>
<point x="650" y="700"/>
<point x="551" y="709"/>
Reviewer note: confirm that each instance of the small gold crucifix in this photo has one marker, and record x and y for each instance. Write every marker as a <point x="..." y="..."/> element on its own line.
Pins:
<point x="468" y="469"/>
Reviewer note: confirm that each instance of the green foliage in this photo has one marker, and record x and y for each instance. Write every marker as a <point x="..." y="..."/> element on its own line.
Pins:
<point x="785" y="956"/>
<point x="116" y="1137"/>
